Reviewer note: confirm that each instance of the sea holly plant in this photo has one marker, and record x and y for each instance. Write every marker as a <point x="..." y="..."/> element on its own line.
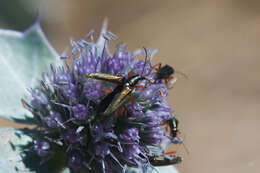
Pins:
<point x="71" y="132"/>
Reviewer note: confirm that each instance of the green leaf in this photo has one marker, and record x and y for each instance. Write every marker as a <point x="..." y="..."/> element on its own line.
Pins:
<point x="10" y="159"/>
<point x="23" y="58"/>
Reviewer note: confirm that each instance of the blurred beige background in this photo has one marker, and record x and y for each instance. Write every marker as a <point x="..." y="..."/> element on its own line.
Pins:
<point x="215" y="42"/>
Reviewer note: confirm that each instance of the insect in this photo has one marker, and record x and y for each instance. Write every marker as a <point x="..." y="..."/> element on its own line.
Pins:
<point x="167" y="73"/>
<point x="165" y="160"/>
<point x="116" y="98"/>
<point x="169" y="158"/>
<point x="164" y="73"/>
<point x="173" y="124"/>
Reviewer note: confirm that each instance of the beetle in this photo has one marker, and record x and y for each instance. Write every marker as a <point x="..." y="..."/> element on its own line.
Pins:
<point x="164" y="73"/>
<point x="165" y="161"/>
<point x="173" y="125"/>
<point x="116" y="98"/>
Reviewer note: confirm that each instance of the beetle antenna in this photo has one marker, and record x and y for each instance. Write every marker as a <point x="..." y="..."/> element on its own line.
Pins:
<point x="185" y="147"/>
<point x="146" y="56"/>
<point x="182" y="74"/>
<point x="145" y="50"/>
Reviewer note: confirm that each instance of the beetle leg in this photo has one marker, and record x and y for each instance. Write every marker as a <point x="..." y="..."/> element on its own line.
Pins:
<point x="157" y="67"/>
<point x="122" y="110"/>
<point x="132" y="100"/>
<point x="170" y="153"/>
<point x="170" y="78"/>
<point x="139" y="86"/>
<point x="178" y="132"/>
<point x="166" y="80"/>
<point x="161" y="92"/>
<point x="107" y="91"/>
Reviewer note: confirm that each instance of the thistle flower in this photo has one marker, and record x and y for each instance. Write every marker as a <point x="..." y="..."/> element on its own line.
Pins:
<point x="65" y="106"/>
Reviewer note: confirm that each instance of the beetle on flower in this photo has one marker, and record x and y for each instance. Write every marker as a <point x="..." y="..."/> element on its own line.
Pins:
<point x="65" y="106"/>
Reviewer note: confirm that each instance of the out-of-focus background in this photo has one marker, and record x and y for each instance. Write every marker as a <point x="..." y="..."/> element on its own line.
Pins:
<point x="215" y="42"/>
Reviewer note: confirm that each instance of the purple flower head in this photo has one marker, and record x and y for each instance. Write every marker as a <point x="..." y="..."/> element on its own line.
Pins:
<point x="177" y="140"/>
<point x="101" y="149"/>
<point x="141" y="69"/>
<point x="69" y="107"/>
<point x="135" y="111"/>
<point x="75" y="161"/>
<point x="80" y="111"/>
<point x="155" y="92"/>
<point x="58" y="76"/>
<point x="72" y="136"/>
<point x="42" y="147"/>
<point x="115" y="65"/>
<point x="53" y="120"/>
<point x="38" y="98"/>
<point x="152" y="118"/>
<point x="92" y="90"/>
<point x="134" y="154"/>
<point x="130" y="135"/>
<point x="120" y="61"/>
<point x="69" y="91"/>
<point x="153" y="136"/>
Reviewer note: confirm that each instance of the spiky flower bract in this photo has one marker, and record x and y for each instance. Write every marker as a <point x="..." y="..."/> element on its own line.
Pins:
<point x="65" y="106"/>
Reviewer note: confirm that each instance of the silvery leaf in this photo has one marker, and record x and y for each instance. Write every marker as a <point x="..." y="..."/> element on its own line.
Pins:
<point x="23" y="58"/>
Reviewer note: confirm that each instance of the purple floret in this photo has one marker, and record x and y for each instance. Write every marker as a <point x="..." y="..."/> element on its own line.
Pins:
<point x="75" y="161"/>
<point x="39" y="99"/>
<point x="135" y="111"/>
<point x="80" y="111"/>
<point x="42" y="147"/>
<point x="130" y="135"/>
<point x="53" y="120"/>
<point x="92" y="90"/>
